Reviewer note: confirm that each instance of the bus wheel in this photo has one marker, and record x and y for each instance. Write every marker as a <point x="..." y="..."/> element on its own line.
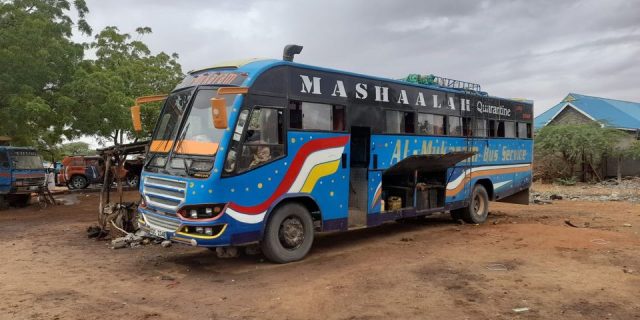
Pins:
<point x="477" y="210"/>
<point x="19" y="200"/>
<point x="289" y="234"/>
<point x="133" y="180"/>
<point x="4" y="203"/>
<point x="79" y="182"/>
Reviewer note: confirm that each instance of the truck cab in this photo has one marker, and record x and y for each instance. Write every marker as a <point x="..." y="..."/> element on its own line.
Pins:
<point x="21" y="173"/>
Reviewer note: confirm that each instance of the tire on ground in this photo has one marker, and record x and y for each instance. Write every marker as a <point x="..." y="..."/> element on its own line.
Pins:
<point x="478" y="208"/>
<point x="19" y="200"/>
<point x="79" y="182"/>
<point x="289" y="234"/>
<point x="133" y="180"/>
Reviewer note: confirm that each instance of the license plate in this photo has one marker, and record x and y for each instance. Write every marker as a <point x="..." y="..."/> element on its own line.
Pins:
<point x="158" y="233"/>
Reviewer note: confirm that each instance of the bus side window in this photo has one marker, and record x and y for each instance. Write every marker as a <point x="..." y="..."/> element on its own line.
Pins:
<point x="467" y="128"/>
<point x="493" y="128"/>
<point x="399" y="122"/>
<point x="454" y="126"/>
<point x="295" y="115"/>
<point x="480" y="128"/>
<point x="339" y="116"/>
<point x="509" y="129"/>
<point x="4" y="160"/>
<point x="431" y="124"/>
<point x="316" y="116"/>
<point x="496" y="128"/>
<point x="524" y="130"/>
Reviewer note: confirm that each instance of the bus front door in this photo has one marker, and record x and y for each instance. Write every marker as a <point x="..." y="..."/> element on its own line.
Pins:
<point x="358" y="163"/>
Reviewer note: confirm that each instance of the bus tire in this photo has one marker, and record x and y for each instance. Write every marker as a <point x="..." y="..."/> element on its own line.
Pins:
<point x="133" y="180"/>
<point x="19" y="200"/>
<point x="478" y="209"/>
<point x="288" y="235"/>
<point x="79" y="182"/>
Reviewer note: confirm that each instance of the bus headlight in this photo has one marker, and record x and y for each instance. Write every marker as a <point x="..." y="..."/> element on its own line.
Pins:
<point x="205" y="211"/>
<point x="201" y="166"/>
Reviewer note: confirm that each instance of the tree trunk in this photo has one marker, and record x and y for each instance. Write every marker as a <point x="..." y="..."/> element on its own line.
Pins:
<point x="619" y="169"/>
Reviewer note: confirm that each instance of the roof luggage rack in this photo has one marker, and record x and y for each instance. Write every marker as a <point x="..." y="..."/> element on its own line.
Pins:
<point x="434" y="80"/>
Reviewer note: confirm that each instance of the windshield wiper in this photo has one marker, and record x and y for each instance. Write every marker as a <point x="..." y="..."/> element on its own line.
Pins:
<point x="178" y="145"/>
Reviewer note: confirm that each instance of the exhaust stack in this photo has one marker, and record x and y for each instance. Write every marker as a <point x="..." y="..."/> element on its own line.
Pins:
<point x="291" y="50"/>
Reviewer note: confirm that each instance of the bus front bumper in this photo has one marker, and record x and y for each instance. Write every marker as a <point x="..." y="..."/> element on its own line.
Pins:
<point x="220" y="232"/>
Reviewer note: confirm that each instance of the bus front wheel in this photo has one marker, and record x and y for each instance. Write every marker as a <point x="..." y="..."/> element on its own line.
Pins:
<point x="478" y="208"/>
<point x="289" y="234"/>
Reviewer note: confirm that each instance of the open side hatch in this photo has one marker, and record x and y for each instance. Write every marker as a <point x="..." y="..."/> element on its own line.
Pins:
<point x="419" y="181"/>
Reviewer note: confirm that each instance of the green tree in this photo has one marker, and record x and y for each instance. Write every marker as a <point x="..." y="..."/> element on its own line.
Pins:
<point x="38" y="59"/>
<point x="104" y="88"/>
<point x="574" y="144"/>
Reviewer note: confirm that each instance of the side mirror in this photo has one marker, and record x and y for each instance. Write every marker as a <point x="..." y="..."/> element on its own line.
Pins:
<point x="135" y="117"/>
<point x="219" y="113"/>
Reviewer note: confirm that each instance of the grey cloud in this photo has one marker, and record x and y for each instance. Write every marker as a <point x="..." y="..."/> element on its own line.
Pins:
<point x="539" y="50"/>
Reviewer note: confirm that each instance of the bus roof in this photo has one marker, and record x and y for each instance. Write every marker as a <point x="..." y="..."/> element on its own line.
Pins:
<point x="256" y="67"/>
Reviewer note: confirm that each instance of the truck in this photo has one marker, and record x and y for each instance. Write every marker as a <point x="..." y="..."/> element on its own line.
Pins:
<point x="21" y="173"/>
<point x="78" y="172"/>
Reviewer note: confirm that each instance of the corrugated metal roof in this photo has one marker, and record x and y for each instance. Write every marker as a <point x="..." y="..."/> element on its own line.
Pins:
<point x="610" y="112"/>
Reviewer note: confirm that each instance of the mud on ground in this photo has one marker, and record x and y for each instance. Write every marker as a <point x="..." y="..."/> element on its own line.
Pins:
<point x="523" y="257"/>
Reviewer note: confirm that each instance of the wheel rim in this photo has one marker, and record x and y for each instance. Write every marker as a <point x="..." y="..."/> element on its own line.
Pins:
<point x="291" y="233"/>
<point x="133" y="181"/>
<point x="78" y="183"/>
<point x="478" y="205"/>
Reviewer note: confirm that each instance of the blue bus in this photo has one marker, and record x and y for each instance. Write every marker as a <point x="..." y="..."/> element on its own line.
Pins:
<point x="271" y="151"/>
<point x="21" y="173"/>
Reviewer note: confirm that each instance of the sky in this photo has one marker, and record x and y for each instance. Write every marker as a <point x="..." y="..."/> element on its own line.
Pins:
<point x="538" y="50"/>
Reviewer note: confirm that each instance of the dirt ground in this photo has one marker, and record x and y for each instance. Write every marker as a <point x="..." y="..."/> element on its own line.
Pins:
<point x="523" y="257"/>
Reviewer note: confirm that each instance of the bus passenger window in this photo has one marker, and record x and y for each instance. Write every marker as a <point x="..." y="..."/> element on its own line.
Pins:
<point x="522" y="130"/>
<point x="316" y="116"/>
<point x="454" y="126"/>
<point x="480" y="128"/>
<point x="497" y="130"/>
<point x="338" y="118"/>
<point x="430" y="124"/>
<point x="399" y="122"/>
<point x="493" y="128"/>
<point x="295" y="115"/>
<point x="509" y="129"/>
<point x="467" y="129"/>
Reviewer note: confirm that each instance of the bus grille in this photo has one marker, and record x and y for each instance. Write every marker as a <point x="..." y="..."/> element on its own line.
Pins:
<point x="162" y="223"/>
<point x="164" y="194"/>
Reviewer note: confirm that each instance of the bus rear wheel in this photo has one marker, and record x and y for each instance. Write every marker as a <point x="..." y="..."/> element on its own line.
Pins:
<point x="478" y="208"/>
<point x="289" y="234"/>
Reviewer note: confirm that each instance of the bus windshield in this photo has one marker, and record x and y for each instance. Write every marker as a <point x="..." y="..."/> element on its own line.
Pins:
<point x="26" y="160"/>
<point x="171" y="117"/>
<point x="198" y="135"/>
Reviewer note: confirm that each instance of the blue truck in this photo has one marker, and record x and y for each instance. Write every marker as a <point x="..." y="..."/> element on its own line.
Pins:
<point x="21" y="173"/>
